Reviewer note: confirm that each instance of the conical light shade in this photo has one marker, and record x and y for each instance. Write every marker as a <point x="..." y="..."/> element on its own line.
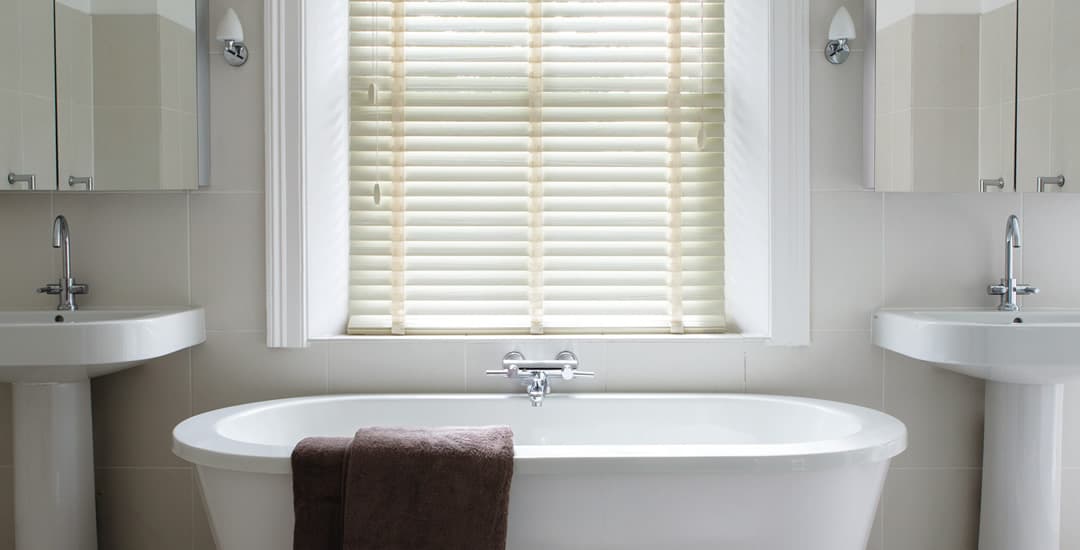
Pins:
<point x="843" y="26"/>
<point x="230" y="28"/>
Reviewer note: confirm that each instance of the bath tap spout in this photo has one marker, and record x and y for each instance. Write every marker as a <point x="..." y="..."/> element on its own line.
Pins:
<point x="538" y="387"/>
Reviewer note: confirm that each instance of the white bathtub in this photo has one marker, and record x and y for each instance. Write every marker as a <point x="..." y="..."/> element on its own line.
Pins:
<point x="671" y="472"/>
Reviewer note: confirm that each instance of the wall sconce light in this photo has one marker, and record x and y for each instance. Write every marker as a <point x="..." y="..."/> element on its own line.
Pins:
<point x="841" y="32"/>
<point x="231" y="33"/>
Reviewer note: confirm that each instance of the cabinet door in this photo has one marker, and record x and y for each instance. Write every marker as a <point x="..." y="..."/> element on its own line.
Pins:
<point x="27" y="96"/>
<point x="127" y="90"/>
<point x="1048" y="121"/>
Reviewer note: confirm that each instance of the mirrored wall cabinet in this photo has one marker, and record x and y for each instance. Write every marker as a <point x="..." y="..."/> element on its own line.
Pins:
<point x="103" y="95"/>
<point x="973" y="95"/>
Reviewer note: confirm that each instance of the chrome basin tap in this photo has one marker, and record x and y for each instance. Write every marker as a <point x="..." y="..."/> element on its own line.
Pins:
<point x="67" y="288"/>
<point x="1009" y="288"/>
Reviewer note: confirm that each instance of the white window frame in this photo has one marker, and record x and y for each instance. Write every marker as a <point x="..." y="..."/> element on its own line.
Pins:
<point x="767" y="181"/>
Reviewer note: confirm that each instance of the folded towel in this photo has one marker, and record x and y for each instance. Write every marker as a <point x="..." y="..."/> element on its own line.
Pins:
<point x="318" y="468"/>
<point x="404" y="489"/>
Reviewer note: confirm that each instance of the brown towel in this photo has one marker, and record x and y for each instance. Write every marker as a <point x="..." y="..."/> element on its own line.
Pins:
<point x="404" y="489"/>
<point x="318" y="468"/>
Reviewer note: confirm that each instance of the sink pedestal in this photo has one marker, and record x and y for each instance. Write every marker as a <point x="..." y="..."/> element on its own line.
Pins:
<point x="1021" y="489"/>
<point x="54" y="466"/>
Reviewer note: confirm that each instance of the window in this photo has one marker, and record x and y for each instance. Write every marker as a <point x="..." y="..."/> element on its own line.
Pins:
<point x="536" y="166"/>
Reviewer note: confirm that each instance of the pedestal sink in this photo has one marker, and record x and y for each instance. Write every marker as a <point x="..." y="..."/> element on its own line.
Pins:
<point x="50" y="357"/>
<point x="1025" y="357"/>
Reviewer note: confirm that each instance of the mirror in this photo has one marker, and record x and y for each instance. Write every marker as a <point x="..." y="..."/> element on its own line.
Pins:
<point x="127" y="90"/>
<point x="1049" y="97"/>
<point x="107" y="95"/>
<point x="27" y="113"/>
<point x="945" y="103"/>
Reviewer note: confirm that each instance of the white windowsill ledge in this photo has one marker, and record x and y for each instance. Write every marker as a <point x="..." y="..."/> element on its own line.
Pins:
<point x="629" y="338"/>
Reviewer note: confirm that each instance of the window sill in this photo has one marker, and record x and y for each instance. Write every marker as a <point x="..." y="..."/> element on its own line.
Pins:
<point x="603" y="338"/>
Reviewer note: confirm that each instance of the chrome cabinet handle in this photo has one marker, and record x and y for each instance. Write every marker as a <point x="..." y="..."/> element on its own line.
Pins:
<point x="987" y="183"/>
<point x="1044" y="181"/>
<point x="29" y="179"/>
<point x="88" y="181"/>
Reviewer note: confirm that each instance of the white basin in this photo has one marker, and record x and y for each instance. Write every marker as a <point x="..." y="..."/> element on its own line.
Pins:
<point x="50" y="357"/>
<point x="1026" y="347"/>
<point x="62" y="346"/>
<point x="1025" y="357"/>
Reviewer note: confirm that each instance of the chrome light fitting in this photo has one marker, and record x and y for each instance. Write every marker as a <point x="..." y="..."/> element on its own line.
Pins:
<point x="841" y="33"/>
<point x="231" y="34"/>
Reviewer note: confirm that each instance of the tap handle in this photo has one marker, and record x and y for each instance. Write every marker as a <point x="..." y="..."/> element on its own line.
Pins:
<point x="1027" y="290"/>
<point x="570" y="373"/>
<point x="51" y="288"/>
<point x="997" y="290"/>
<point x="79" y="288"/>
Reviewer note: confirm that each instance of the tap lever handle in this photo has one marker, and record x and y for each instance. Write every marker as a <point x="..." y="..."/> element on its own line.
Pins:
<point x="1027" y="290"/>
<point x="51" y="288"/>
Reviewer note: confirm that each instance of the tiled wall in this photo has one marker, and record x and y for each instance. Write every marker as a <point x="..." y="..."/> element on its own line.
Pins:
<point x="27" y="112"/>
<point x="870" y="249"/>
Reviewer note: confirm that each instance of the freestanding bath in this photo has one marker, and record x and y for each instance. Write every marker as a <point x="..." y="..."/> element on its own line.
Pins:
<point x="678" y="472"/>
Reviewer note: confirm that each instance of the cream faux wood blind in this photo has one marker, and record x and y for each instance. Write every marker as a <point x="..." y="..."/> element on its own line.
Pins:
<point x="536" y="166"/>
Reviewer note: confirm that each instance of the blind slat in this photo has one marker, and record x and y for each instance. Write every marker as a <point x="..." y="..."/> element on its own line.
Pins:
<point x="537" y="166"/>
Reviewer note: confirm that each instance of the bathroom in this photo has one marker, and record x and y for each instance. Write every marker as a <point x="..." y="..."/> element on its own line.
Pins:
<point x="218" y="235"/>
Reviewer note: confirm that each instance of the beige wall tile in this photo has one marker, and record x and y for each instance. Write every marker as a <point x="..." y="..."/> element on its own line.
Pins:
<point x="131" y="249"/>
<point x="945" y="81"/>
<point x="382" y="367"/>
<point x="944" y="249"/>
<point x="76" y="139"/>
<point x="115" y="83"/>
<point x="845" y="281"/>
<point x="227" y="259"/>
<point x="27" y="219"/>
<point x="1065" y="45"/>
<point x="138" y="509"/>
<point x="236" y="367"/>
<point x="10" y="45"/>
<point x="932" y="509"/>
<point x="902" y="66"/>
<point x="1036" y="56"/>
<point x="127" y="148"/>
<point x="1033" y="146"/>
<point x="10" y="133"/>
<point x="1065" y="139"/>
<point x="945" y="150"/>
<point x="36" y="48"/>
<point x="673" y="367"/>
<point x="842" y="366"/>
<point x="1049" y="218"/>
<point x="942" y="410"/>
<point x="833" y="90"/>
<point x="135" y="411"/>
<point x="38" y="137"/>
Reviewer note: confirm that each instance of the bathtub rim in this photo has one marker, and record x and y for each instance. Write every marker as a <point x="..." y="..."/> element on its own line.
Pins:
<point x="882" y="437"/>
